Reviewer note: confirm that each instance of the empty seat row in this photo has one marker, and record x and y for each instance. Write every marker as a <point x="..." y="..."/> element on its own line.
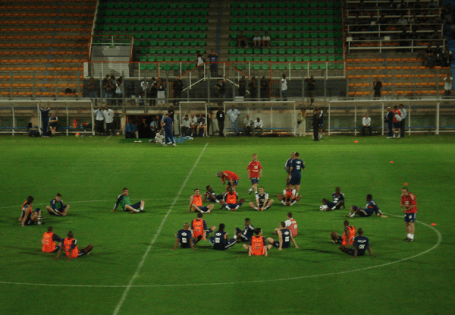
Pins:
<point x="286" y="21"/>
<point x="284" y="12"/>
<point x="170" y="43"/>
<point x="286" y="66"/>
<point x="275" y="51"/>
<point x="39" y="30"/>
<point x="154" y="28"/>
<point x="299" y="35"/>
<point x="46" y="14"/>
<point x="47" y="7"/>
<point x="154" y="5"/>
<point x="282" y="5"/>
<point x="408" y="92"/>
<point x="393" y="68"/>
<point x="287" y="59"/>
<point x="155" y="13"/>
<point x="41" y="77"/>
<point x="30" y="22"/>
<point x="40" y="45"/>
<point x="169" y="23"/>
<point x="177" y="51"/>
<point x="40" y="69"/>
<point x="42" y="60"/>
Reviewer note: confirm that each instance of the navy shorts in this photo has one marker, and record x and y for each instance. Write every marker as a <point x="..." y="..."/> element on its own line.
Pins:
<point x="203" y="208"/>
<point x="410" y="217"/>
<point x="235" y="182"/>
<point x="363" y="213"/>
<point x="276" y="244"/>
<point x="350" y="251"/>
<point x="243" y="238"/>
<point x="136" y="206"/>
<point x="232" y="206"/>
<point x="321" y="126"/>
<point x="397" y="125"/>
<point x="228" y="245"/>
<point x="57" y="247"/>
<point x="295" y="180"/>
<point x="81" y="253"/>
<point x="332" y="204"/>
<point x="254" y="180"/>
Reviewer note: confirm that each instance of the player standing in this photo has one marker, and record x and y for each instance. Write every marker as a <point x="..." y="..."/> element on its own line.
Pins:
<point x="254" y="173"/>
<point x="284" y="237"/>
<point x="231" y="178"/>
<point x="361" y="244"/>
<point x="196" y="203"/>
<point x="409" y="205"/>
<point x="184" y="237"/>
<point x="287" y="166"/>
<point x="338" y="201"/>
<point x="297" y="166"/>
<point x="262" y="201"/>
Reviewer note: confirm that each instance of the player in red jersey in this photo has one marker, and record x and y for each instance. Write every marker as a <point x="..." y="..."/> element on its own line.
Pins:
<point x="396" y="123"/>
<point x="231" y="178"/>
<point x="409" y="206"/>
<point x="254" y="173"/>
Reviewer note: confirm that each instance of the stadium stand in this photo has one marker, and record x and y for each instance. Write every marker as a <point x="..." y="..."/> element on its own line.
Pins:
<point x="42" y="47"/>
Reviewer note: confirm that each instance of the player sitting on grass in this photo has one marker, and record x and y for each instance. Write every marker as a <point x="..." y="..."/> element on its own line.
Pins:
<point x="370" y="208"/>
<point x="196" y="203"/>
<point x="30" y="216"/>
<point x="57" y="207"/>
<point x="258" y="245"/>
<point x="184" y="237"/>
<point x="361" y="244"/>
<point x="231" y="178"/>
<point x="284" y="238"/>
<point x="210" y="195"/>
<point x="231" y="202"/>
<point x="262" y="201"/>
<point x="348" y="235"/>
<point x="220" y="240"/>
<point x="49" y="239"/>
<point x="69" y="244"/>
<point x="288" y="198"/>
<point x="338" y="201"/>
<point x="124" y="202"/>
<point x="247" y="233"/>
<point x="199" y="227"/>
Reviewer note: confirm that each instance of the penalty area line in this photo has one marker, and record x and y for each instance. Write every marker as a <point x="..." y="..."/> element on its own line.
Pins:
<point x="107" y="138"/>
<point x="158" y="232"/>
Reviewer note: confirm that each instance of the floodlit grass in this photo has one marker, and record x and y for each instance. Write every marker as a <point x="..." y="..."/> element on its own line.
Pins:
<point x="316" y="278"/>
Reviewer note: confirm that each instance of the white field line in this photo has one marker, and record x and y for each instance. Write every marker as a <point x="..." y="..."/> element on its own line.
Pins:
<point x="107" y="138"/>
<point x="158" y="232"/>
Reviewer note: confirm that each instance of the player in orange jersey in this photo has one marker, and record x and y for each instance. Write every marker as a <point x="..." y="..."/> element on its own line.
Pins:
<point x="69" y="244"/>
<point x="196" y="203"/>
<point x="289" y="196"/>
<point x="200" y="230"/>
<point x="49" y="239"/>
<point x="348" y="235"/>
<point x="254" y="173"/>
<point x="258" y="245"/>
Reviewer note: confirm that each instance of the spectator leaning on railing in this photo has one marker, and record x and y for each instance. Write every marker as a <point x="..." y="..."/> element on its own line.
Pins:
<point x="404" y="114"/>
<point x="448" y="85"/>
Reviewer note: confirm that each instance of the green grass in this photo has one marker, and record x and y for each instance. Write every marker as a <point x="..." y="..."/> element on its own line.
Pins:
<point x="90" y="173"/>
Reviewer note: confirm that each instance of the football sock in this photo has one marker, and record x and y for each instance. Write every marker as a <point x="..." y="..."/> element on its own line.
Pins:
<point x="235" y="237"/>
<point x="282" y="201"/>
<point x="352" y="214"/>
<point x="255" y="208"/>
<point x="408" y="235"/>
<point x="411" y="236"/>
<point x="142" y="208"/>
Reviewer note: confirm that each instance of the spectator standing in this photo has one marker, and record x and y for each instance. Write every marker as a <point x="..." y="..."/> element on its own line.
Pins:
<point x="178" y="87"/>
<point x="130" y="130"/>
<point x="167" y="126"/>
<point x="44" y="118"/>
<point x="247" y="125"/>
<point x="264" y="88"/>
<point x="366" y="124"/>
<point x="448" y="85"/>
<point x="170" y="111"/>
<point x="99" y="120"/>
<point x="92" y="90"/>
<point x="144" y="129"/>
<point x="220" y="118"/>
<point x="404" y="114"/>
<point x="104" y="84"/>
<point x="315" y="124"/>
<point x="233" y="114"/>
<point x="253" y="88"/>
<point x="161" y="96"/>
<point x="109" y="119"/>
<point x="266" y="40"/>
<point x="257" y="126"/>
<point x="132" y="93"/>
<point x="311" y="88"/>
<point x="109" y="88"/>
<point x="145" y="86"/>
<point x="153" y="92"/>
<point x="389" y="120"/>
<point x="396" y="121"/>
<point x="284" y="88"/>
<point x="377" y="86"/>
<point x="220" y="91"/>
<point x="154" y="127"/>
<point x="301" y="121"/>
<point x="242" y="86"/>
<point x="185" y="126"/>
<point x="119" y="90"/>
<point x="199" y="63"/>
<point x="213" y="58"/>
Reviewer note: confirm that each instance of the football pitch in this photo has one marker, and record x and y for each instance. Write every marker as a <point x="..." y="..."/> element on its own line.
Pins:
<point x="132" y="270"/>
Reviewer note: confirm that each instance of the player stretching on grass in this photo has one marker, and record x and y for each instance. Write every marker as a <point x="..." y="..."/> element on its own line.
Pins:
<point x="199" y="227"/>
<point x="288" y="198"/>
<point x="124" y="202"/>
<point x="231" y="178"/>
<point x="348" y="235"/>
<point x="57" y="207"/>
<point x="361" y="244"/>
<point x="30" y="216"/>
<point x="196" y="203"/>
<point x="284" y="238"/>
<point x="69" y="244"/>
<point x="370" y="208"/>
<point x="210" y="195"/>
<point x="409" y="206"/>
<point x="338" y="201"/>
<point x="184" y="237"/>
<point x="231" y="202"/>
<point x="262" y="201"/>
<point x="220" y="240"/>
<point x="254" y="173"/>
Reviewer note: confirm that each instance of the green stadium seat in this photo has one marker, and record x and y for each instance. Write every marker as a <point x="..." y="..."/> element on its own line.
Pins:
<point x="314" y="67"/>
<point x="265" y="58"/>
<point x="298" y="67"/>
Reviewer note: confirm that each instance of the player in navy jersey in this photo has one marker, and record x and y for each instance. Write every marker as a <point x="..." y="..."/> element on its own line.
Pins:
<point x="210" y="195"/>
<point x="361" y="244"/>
<point x="284" y="238"/>
<point x="338" y="201"/>
<point x="287" y="166"/>
<point x="220" y="240"/>
<point x="296" y="172"/>
<point x="57" y="207"/>
<point x="184" y="237"/>
<point x="231" y="200"/>
<point x="247" y="232"/>
<point x="262" y="201"/>
<point x="370" y="208"/>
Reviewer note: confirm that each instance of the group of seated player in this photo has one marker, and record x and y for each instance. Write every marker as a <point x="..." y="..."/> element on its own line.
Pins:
<point x="52" y="243"/>
<point x="31" y="217"/>
<point x="254" y="243"/>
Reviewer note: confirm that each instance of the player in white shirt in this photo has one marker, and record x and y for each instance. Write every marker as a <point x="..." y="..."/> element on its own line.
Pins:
<point x="262" y="201"/>
<point x="257" y="126"/>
